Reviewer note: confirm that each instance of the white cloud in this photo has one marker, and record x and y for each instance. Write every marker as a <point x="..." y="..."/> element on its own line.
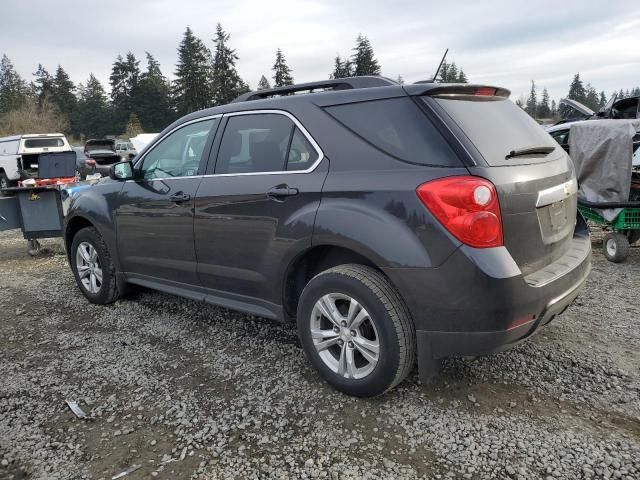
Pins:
<point x="496" y="41"/>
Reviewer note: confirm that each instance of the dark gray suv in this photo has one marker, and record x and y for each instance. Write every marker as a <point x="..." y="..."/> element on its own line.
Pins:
<point x="393" y="223"/>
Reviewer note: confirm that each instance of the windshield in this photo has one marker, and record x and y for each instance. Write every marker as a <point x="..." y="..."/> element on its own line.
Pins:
<point x="497" y="127"/>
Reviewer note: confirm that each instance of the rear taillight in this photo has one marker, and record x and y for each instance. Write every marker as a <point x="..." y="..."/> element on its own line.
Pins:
<point x="467" y="207"/>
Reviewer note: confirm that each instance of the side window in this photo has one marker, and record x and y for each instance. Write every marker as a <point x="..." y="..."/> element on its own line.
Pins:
<point x="302" y="155"/>
<point x="254" y="143"/>
<point x="398" y="127"/>
<point x="179" y="154"/>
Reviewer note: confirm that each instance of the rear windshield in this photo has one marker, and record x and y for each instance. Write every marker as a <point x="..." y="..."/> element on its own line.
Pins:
<point x="397" y="127"/>
<point x="496" y="126"/>
<point x="43" y="142"/>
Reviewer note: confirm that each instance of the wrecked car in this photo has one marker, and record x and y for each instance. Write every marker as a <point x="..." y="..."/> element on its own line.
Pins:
<point x="103" y="151"/>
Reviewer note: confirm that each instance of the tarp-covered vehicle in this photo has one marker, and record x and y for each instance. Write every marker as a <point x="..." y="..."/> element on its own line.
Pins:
<point x="608" y="190"/>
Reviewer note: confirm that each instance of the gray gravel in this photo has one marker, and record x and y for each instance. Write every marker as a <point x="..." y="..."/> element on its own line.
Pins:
<point x="188" y="390"/>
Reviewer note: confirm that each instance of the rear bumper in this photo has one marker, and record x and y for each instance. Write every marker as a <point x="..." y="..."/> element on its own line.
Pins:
<point x="478" y="302"/>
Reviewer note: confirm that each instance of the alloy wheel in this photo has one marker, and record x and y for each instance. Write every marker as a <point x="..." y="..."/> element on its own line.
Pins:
<point x="345" y="336"/>
<point x="88" y="267"/>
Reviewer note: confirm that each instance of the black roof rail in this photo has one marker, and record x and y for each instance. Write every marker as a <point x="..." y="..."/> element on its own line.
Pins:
<point x="333" y="84"/>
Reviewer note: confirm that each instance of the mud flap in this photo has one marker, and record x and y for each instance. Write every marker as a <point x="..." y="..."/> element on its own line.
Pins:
<point x="428" y="366"/>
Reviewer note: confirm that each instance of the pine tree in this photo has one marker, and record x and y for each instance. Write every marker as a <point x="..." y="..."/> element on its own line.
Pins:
<point x="281" y="72"/>
<point x="532" y="101"/>
<point x="602" y="102"/>
<point x="13" y="89"/>
<point x="554" y="109"/>
<point x="363" y="58"/>
<point x="152" y="102"/>
<point x="576" y="90"/>
<point x="544" y="110"/>
<point x="263" y="84"/>
<point x="449" y="73"/>
<point x="92" y="116"/>
<point x="192" y="87"/>
<point x="227" y="84"/>
<point x="42" y="85"/>
<point x="124" y="79"/>
<point x="591" y="99"/>
<point x="400" y="80"/>
<point x="341" y="68"/>
<point x="63" y="95"/>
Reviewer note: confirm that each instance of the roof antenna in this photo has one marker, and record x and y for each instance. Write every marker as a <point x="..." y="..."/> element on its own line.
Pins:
<point x="435" y="75"/>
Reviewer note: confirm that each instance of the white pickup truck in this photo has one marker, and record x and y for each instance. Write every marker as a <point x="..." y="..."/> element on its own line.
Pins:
<point x="19" y="155"/>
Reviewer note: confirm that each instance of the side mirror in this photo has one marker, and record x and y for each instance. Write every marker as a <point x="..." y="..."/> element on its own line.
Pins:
<point x="121" y="171"/>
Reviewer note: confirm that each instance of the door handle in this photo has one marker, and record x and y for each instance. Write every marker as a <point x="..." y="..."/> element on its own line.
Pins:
<point x="180" y="197"/>
<point x="279" y="192"/>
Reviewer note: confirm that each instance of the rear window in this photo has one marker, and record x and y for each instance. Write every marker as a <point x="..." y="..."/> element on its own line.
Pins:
<point x="43" y="142"/>
<point x="397" y="127"/>
<point x="496" y="126"/>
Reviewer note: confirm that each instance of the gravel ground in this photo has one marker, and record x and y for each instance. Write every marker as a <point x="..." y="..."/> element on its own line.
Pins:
<point x="186" y="390"/>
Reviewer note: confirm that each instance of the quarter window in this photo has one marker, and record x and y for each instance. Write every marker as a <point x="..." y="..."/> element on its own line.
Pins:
<point x="179" y="154"/>
<point x="302" y="155"/>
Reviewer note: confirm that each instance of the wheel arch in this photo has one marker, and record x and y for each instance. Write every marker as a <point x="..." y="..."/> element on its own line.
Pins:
<point x="312" y="261"/>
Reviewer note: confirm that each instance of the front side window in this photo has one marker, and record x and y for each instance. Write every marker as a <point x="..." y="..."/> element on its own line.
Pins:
<point x="179" y="154"/>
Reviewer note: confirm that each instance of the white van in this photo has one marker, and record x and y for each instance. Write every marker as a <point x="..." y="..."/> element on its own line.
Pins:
<point x="19" y="155"/>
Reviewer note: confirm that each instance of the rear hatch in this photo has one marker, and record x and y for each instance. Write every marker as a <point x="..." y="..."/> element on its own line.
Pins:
<point x="533" y="176"/>
<point x="103" y="151"/>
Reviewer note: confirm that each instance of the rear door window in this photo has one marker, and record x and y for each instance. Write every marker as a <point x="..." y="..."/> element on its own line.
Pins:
<point x="399" y="128"/>
<point x="254" y="143"/>
<point x="496" y="126"/>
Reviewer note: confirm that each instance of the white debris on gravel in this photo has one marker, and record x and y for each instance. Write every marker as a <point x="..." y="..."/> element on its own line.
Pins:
<point x="188" y="390"/>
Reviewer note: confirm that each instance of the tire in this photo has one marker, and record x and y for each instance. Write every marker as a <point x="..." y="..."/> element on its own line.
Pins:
<point x="615" y="247"/>
<point x="633" y="236"/>
<point x="4" y="183"/>
<point x="107" y="290"/>
<point x="385" y="323"/>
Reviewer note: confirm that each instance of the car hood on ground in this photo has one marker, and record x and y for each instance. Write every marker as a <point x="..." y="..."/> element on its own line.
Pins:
<point x="580" y="109"/>
<point x="92" y="145"/>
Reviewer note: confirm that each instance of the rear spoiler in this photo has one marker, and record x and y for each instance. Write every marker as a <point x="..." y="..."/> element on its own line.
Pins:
<point x="430" y="88"/>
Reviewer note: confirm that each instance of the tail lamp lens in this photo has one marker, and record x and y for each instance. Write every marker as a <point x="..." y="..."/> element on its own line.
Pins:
<point x="467" y="207"/>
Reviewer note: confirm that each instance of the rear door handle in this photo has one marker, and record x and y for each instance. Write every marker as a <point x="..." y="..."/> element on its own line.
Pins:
<point x="180" y="197"/>
<point x="279" y="192"/>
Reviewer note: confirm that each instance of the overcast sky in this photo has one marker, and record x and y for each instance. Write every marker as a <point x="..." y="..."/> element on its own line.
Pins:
<point x="501" y="42"/>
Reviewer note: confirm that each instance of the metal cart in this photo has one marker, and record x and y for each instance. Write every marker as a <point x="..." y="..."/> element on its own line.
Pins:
<point x="624" y="230"/>
<point x="37" y="211"/>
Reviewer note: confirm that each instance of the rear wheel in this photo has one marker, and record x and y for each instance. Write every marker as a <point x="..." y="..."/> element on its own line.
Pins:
<point x="93" y="267"/>
<point x="356" y="330"/>
<point x="616" y="247"/>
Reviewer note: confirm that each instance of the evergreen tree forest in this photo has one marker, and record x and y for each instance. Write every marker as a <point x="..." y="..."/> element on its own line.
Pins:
<point x="139" y="97"/>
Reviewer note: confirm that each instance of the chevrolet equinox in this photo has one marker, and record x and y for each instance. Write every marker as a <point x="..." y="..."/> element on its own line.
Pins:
<point x="393" y="223"/>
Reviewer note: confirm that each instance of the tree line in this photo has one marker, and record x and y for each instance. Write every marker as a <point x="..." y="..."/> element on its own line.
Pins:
<point x="141" y="98"/>
<point x="586" y="94"/>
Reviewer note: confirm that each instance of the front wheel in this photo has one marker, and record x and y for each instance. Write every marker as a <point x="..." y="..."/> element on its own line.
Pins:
<point x="93" y="267"/>
<point x="616" y="247"/>
<point x="356" y="330"/>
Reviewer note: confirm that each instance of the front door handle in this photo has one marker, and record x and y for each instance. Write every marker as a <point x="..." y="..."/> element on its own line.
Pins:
<point x="180" y="197"/>
<point x="279" y="192"/>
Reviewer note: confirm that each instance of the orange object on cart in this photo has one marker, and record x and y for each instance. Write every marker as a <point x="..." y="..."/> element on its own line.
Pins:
<point x="42" y="182"/>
